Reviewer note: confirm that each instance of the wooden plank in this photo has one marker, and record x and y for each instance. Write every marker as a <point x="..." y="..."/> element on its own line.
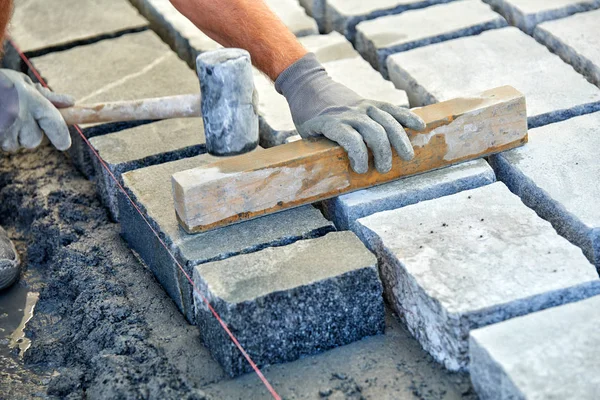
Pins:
<point x="251" y="185"/>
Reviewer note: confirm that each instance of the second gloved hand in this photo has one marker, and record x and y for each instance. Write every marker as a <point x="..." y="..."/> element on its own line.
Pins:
<point x="321" y="106"/>
<point x="27" y="111"/>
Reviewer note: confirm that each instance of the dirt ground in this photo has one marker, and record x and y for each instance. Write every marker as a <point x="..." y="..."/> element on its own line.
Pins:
<point x="104" y="328"/>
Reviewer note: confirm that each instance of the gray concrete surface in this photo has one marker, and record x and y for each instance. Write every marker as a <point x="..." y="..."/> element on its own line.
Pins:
<point x="469" y="260"/>
<point x="575" y="39"/>
<point x="377" y="39"/>
<point x="142" y="146"/>
<point x="556" y="174"/>
<point x="526" y="14"/>
<point x="288" y="302"/>
<point x="550" y="354"/>
<point x="40" y="24"/>
<point x="133" y="66"/>
<point x="344" y="15"/>
<point x="506" y="56"/>
<point x="150" y="189"/>
<point x="346" y="209"/>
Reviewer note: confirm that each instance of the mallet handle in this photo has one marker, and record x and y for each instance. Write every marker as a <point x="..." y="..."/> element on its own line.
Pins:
<point x="182" y="106"/>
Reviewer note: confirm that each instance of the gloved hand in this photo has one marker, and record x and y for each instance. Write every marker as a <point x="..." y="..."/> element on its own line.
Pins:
<point x="27" y="111"/>
<point x="321" y="106"/>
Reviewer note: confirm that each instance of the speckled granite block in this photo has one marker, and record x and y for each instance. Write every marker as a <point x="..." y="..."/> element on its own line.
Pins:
<point x="506" y="56"/>
<point x="576" y="40"/>
<point x="142" y="146"/>
<point x="287" y="302"/>
<point x="557" y="174"/>
<point x="37" y="25"/>
<point x="346" y="209"/>
<point x="377" y="39"/>
<point x="133" y="66"/>
<point x="344" y="15"/>
<point x="551" y="354"/>
<point x="276" y="123"/>
<point x="472" y="259"/>
<point x="189" y="41"/>
<point x="526" y="14"/>
<point x="150" y="189"/>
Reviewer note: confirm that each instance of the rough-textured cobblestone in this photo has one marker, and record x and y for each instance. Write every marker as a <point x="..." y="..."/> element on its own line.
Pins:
<point x="506" y="56"/>
<point x="556" y="174"/>
<point x="544" y="355"/>
<point x="288" y="302"/>
<point x="575" y="39"/>
<point x="472" y="259"/>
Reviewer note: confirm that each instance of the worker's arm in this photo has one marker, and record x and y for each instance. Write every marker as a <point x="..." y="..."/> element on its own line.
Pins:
<point x="319" y="105"/>
<point x="28" y="110"/>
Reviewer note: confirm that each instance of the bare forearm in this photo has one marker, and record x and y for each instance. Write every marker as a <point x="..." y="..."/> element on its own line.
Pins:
<point x="5" y="11"/>
<point x="246" y="24"/>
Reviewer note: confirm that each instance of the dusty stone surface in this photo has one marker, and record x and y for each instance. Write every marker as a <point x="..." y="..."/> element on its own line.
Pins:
<point x="316" y="9"/>
<point x="38" y="24"/>
<point x="188" y="41"/>
<point x="291" y="301"/>
<point x="344" y="15"/>
<point x="526" y="14"/>
<point x="142" y="146"/>
<point x="556" y="174"/>
<point x="133" y="66"/>
<point x="276" y="118"/>
<point x="548" y="354"/>
<point x="346" y="209"/>
<point x="150" y="189"/>
<point x="576" y="41"/>
<point x="554" y="91"/>
<point x="228" y="101"/>
<point x="472" y="259"/>
<point x="377" y="39"/>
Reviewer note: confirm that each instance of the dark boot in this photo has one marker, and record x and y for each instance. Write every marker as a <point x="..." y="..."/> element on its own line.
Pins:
<point x="10" y="265"/>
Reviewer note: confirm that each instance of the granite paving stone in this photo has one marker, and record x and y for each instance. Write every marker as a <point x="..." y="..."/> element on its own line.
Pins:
<point x="346" y="209"/>
<point x="287" y="302"/>
<point x="576" y="40"/>
<point x="556" y="174"/>
<point x="472" y="259"/>
<point x="317" y="10"/>
<point x="189" y="41"/>
<point x="142" y="146"/>
<point x="130" y="67"/>
<point x="498" y="57"/>
<point x="277" y="125"/>
<point x="344" y="15"/>
<point x="38" y="25"/>
<point x="150" y="189"/>
<point x="377" y="39"/>
<point x="526" y="14"/>
<point x="551" y="354"/>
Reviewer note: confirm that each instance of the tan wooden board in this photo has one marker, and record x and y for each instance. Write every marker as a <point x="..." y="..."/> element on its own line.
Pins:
<point x="240" y="188"/>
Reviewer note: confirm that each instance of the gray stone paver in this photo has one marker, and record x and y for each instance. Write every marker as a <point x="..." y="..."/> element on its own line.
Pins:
<point x="346" y="209"/>
<point x="344" y="15"/>
<point x="576" y="40"/>
<point x="506" y="56"/>
<point x="316" y="9"/>
<point x="40" y="24"/>
<point x="150" y="188"/>
<point x="130" y="67"/>
<point x="526" y="14"/>
<point x="377" y="39"/>
<point x="472" y="259"/>
<point x="354" y="72"/>
<point x="142" y="146"/>
<point x="557" y="174"/>
<point x="288" y="302"/>
<point x="551" y="354"/>
<point x="188" y="41"/>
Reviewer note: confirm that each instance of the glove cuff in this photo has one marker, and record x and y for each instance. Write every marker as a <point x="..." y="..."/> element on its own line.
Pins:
<point x="293" y="76"/>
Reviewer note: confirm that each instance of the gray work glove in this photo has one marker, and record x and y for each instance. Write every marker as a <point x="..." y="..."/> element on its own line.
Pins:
<point x="27" y="111"/>
<point x="321" y="106"/>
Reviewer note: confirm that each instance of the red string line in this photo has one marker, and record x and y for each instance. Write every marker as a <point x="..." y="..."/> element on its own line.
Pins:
<point x="204" y="299"/>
